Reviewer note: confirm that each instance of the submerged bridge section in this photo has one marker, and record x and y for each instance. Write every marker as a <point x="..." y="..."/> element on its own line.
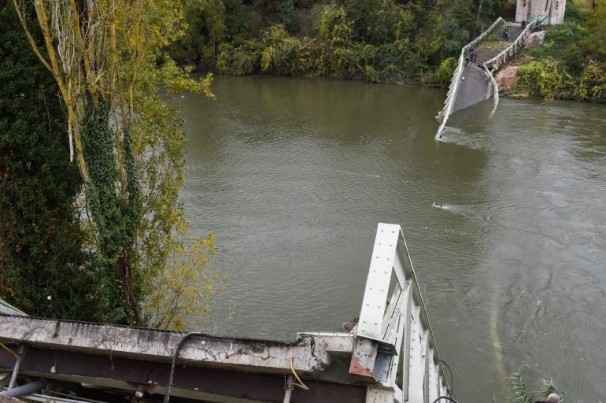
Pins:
<point x="472" y="81"/>
<point x="390" y="356"/>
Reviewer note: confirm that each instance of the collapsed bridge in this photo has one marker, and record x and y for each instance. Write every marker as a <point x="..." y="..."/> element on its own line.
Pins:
<point x="472" y="81"/>
<point x="390" y="356"/>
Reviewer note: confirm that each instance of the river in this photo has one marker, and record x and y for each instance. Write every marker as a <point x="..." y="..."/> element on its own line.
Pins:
<point x="505" y="220"/>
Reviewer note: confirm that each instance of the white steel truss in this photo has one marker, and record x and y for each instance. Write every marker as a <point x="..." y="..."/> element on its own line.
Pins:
<point x="395" y="344"/>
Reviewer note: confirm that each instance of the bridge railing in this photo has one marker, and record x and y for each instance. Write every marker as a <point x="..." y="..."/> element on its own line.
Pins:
<point x="395" y="344"/>
<point x="8" y="309"/>
<point x="453" y="88"/>
<point x="495" y="88"/>
<point x="499" y="60"/>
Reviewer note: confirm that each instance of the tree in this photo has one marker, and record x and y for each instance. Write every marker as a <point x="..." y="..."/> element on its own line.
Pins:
<point x="279" y="12"/>
<point x="595" y="41"/>
<point x="376" y="22"/>
<point x="236" y="20"/>
<point x="446" y="31"/>
<point x="106" y="58"/>
<point x="41" y="254"/>
<point x="285" y="9"/>
<point x="205" y="30"/>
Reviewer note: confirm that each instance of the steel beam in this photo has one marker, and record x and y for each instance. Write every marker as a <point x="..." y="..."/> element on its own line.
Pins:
<point x="395" y="335"/>
<point x="378" y="394"/>
<point x="193" y="382"/>
<point x="377" y="283"/>
<point x="309" y="353"/>
<point x="416" y="365"/>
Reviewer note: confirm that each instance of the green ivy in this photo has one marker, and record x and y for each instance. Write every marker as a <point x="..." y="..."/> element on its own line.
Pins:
<point x="116" y="216"/>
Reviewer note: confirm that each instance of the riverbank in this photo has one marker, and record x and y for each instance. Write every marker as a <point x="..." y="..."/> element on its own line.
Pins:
<point x="569" y="65"/>
<point x="355" y="39"/>
<point x="389" y="42"/>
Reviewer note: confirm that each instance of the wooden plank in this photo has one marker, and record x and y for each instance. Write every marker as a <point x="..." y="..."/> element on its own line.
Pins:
<point x="391" y="320"/>
<point x="391" y="307"/>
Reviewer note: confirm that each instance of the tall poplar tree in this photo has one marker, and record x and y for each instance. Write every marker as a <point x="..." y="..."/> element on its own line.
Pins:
<point x="106" y="58"/>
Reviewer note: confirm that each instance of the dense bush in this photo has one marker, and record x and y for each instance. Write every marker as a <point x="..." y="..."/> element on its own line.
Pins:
<point x="446" y="70"/>
<point x="562" y="44"/>
<point x="592" y="86"/>
<point x="543" y="78"/>
<point x="385" y="40"/>
<point x="571" y="64"/>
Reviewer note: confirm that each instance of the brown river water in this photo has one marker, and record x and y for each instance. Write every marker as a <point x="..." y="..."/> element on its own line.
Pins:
<point x="505" y="220"/>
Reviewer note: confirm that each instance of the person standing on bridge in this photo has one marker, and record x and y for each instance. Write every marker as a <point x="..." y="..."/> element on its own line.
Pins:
<point x="472" y="55"/>
<point x="506" y="35"/>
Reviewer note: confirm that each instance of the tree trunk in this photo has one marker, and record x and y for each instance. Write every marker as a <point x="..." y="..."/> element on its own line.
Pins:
<point x="125" y="277"/>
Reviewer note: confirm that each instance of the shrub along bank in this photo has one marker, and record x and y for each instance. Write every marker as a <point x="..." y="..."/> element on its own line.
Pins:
<point x="386" y="40"/>
<point x="571" y="64"/>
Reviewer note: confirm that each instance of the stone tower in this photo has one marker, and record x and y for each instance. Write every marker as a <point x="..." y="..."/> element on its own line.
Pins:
<point x="528" y="10"/>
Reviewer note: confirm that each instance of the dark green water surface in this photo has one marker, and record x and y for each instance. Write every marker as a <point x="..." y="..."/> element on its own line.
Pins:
<point x="292" y="177"/>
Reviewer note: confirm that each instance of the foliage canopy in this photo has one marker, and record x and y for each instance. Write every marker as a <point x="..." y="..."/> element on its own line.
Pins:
<point x="571" y="64"/>
<point x="44" y="268"/>
<point x="386" y="40"/>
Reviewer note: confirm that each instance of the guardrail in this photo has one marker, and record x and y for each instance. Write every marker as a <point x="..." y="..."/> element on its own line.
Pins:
<point x="495" y="89"/>
<point x="444" y="114"/>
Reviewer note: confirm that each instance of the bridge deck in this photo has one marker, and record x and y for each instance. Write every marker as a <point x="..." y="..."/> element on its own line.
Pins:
<point x="494" y="43"/>
<point x="474" y="86"/>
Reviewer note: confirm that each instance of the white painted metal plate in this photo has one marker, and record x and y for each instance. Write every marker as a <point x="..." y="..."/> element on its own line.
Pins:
<point x="377" y="283"/>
